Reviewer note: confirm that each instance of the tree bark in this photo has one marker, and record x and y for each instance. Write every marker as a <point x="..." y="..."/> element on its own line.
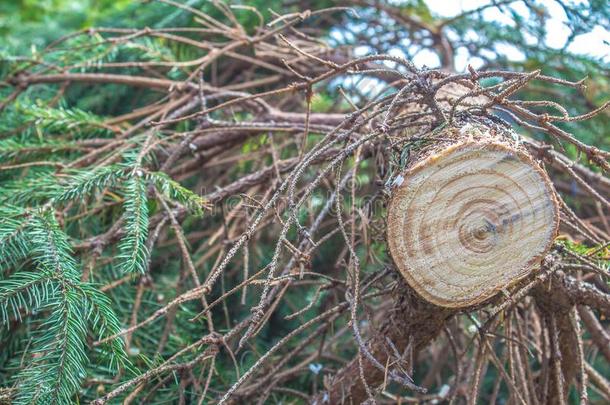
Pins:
<point x="410" y="326"/>
<point x="471" y="214"/>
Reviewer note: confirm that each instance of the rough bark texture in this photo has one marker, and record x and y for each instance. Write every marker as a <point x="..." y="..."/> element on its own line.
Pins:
<point x="412" y="323"/>
<point x="555" y="305"/>
<point x="597" y="331"/>
<point x="488" y="221"/>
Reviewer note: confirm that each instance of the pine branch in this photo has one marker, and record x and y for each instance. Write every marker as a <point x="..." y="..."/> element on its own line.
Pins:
<point x="24" y="291"/>
<point x="12" y="148"/>
<point x="36" y="188"/>
<point x="64" y="120"/>
<point x="82" y="183"/>
<point x="14" y="244"/>
<point x="51" y="249"/>
<point x="44" y="185"/>
<point x="174" y="191"/>
<point x="104" y="323"/>
<point x="58" y="355"/>
<point x="134" y="253"/>
<point x="58" y="358"/>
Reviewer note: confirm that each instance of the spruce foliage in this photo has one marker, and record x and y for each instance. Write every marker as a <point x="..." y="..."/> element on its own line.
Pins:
<point x="100" y="240"/>
<point x="64" y="309"/>
<point x="134" y="253"/>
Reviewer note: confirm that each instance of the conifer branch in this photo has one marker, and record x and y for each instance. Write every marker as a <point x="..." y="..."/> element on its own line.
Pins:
<point x="133" y="251"/>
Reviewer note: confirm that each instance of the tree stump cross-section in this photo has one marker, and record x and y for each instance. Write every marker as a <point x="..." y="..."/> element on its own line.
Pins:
<point x="470" y="218"/>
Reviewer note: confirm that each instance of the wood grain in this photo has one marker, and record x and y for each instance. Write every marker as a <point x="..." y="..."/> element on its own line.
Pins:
<point x="469" y="220"/>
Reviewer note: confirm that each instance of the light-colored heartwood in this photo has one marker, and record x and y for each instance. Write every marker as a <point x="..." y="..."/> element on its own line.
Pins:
<point x="470" y="219"/>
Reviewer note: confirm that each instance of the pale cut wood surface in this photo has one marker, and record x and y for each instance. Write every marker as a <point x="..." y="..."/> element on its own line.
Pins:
<point x="470" y="220"/>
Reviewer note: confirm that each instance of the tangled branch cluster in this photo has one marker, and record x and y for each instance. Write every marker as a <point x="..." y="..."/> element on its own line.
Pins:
<point x="233" y="223"/>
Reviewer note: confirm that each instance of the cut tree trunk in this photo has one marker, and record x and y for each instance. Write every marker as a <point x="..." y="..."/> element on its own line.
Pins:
<point x="471" y="214"/>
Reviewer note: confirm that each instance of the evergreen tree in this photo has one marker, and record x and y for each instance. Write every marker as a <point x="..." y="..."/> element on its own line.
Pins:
<point x="192" y="200"/>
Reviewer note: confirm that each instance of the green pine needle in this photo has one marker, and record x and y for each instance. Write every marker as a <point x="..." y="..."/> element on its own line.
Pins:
<point x="104" y="323"/>
<point x="133" y="251"/>
<point x="24" y="291"/>
<point x="14" y="243"/>
<point x="58" y="360"/>
<point x="58" y="346"/>
<point x="82" y="183"/>
<point x="35" y="188"/>
<point x="172" y="190"/>
<point x="64" y="120"/>
<point x="51" y="249"/>
<point x="12" y="149"/>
